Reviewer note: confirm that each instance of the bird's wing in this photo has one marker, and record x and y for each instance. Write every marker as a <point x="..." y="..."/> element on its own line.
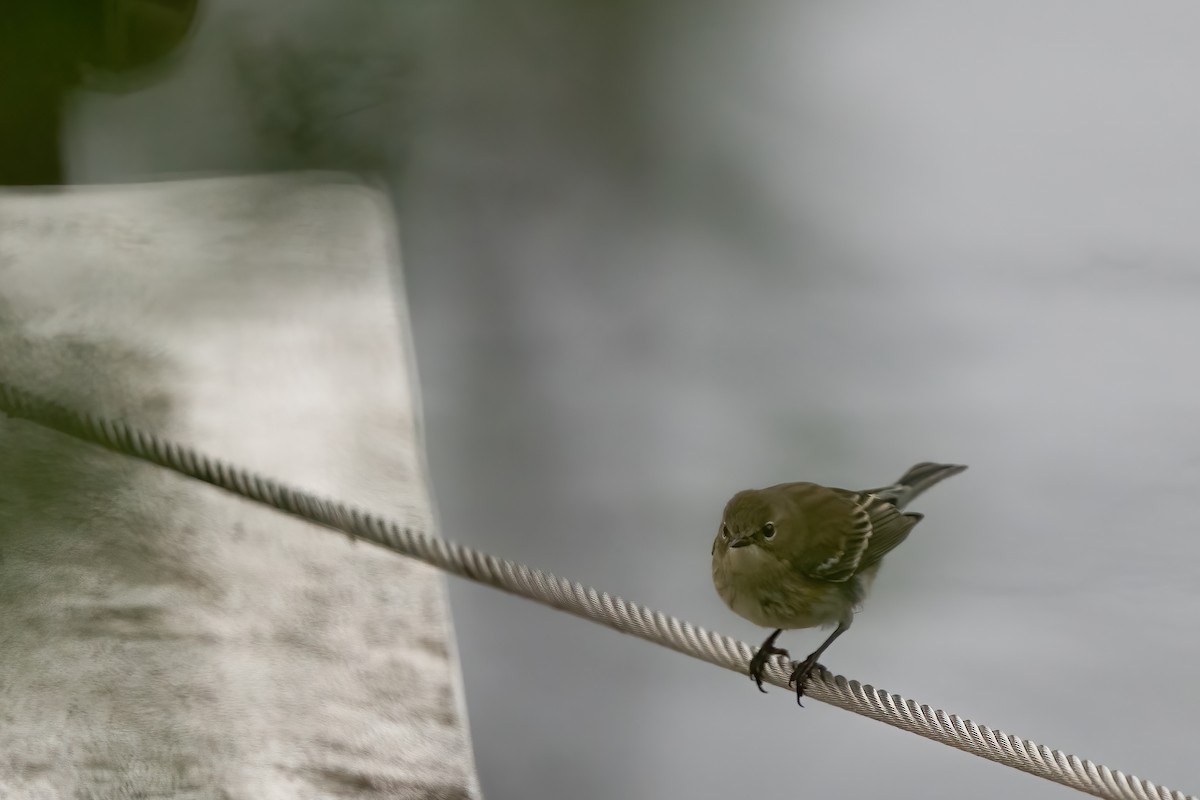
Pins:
<point x="847" y="531"/>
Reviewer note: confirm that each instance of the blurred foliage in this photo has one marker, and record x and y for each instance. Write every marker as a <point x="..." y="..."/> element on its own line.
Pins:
<point x="47" y="47"/>
<point x="349" y="84"/>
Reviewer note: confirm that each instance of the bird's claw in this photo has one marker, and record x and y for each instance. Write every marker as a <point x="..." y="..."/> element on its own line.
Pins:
<point x="759" y="663"/>
<point x="801" y="674"/>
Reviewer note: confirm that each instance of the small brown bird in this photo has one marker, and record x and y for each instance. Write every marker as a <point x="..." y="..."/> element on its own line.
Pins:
<point x="798" y="555"/>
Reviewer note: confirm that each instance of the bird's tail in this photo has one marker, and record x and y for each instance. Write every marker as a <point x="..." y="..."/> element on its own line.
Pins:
<point x="915" y="481"/>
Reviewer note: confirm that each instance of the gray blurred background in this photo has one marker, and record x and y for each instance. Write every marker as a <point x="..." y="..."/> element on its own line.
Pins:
<point x="657" y="252"/>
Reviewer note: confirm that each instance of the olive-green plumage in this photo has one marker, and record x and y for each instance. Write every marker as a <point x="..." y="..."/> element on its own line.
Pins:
<point x="799" y="555"/>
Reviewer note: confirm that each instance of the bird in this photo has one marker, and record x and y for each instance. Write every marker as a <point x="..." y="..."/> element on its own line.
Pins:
<point x="802" y="555"/>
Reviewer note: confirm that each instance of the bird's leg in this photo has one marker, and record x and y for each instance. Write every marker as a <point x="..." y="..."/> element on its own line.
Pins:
<point x="804" y="669"/>
<point x="759" y="662"/>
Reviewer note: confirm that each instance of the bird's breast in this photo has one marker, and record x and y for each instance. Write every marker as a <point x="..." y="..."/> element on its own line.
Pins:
<point x="770" y="592"/>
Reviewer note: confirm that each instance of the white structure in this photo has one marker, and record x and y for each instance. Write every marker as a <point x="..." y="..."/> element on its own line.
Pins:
<point x="159" y="636"/>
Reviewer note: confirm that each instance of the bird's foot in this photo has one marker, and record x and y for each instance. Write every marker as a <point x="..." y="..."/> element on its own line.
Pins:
<point x="801" y="673"/>
<point x="759" y="662"/>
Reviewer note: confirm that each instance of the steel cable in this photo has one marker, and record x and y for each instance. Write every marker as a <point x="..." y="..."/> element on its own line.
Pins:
<point x="614" y="612"/>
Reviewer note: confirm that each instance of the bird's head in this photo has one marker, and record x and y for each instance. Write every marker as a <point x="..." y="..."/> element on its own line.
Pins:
<point x="752" y="520"/>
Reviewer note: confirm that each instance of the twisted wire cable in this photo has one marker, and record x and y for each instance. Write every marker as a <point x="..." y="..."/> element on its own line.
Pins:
<point x="601" y="607"/>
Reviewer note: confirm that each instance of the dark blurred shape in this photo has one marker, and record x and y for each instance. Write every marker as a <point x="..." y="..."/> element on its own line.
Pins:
<point x="138" y="33"/>
<point x="45" y="48"/>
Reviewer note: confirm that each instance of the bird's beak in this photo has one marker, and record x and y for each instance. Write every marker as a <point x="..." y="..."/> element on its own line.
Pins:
<point x="740" y="541"/>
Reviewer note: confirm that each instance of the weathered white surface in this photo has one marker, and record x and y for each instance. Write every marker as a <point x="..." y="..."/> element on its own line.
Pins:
<point x="157" y="637"/>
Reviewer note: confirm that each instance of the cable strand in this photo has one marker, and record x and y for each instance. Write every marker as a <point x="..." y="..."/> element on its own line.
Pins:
<point x="575" y="598"/>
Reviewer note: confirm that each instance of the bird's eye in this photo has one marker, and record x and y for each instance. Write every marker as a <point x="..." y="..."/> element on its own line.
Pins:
<point x="769" y="530"/>
<point x="725" y="532"/>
